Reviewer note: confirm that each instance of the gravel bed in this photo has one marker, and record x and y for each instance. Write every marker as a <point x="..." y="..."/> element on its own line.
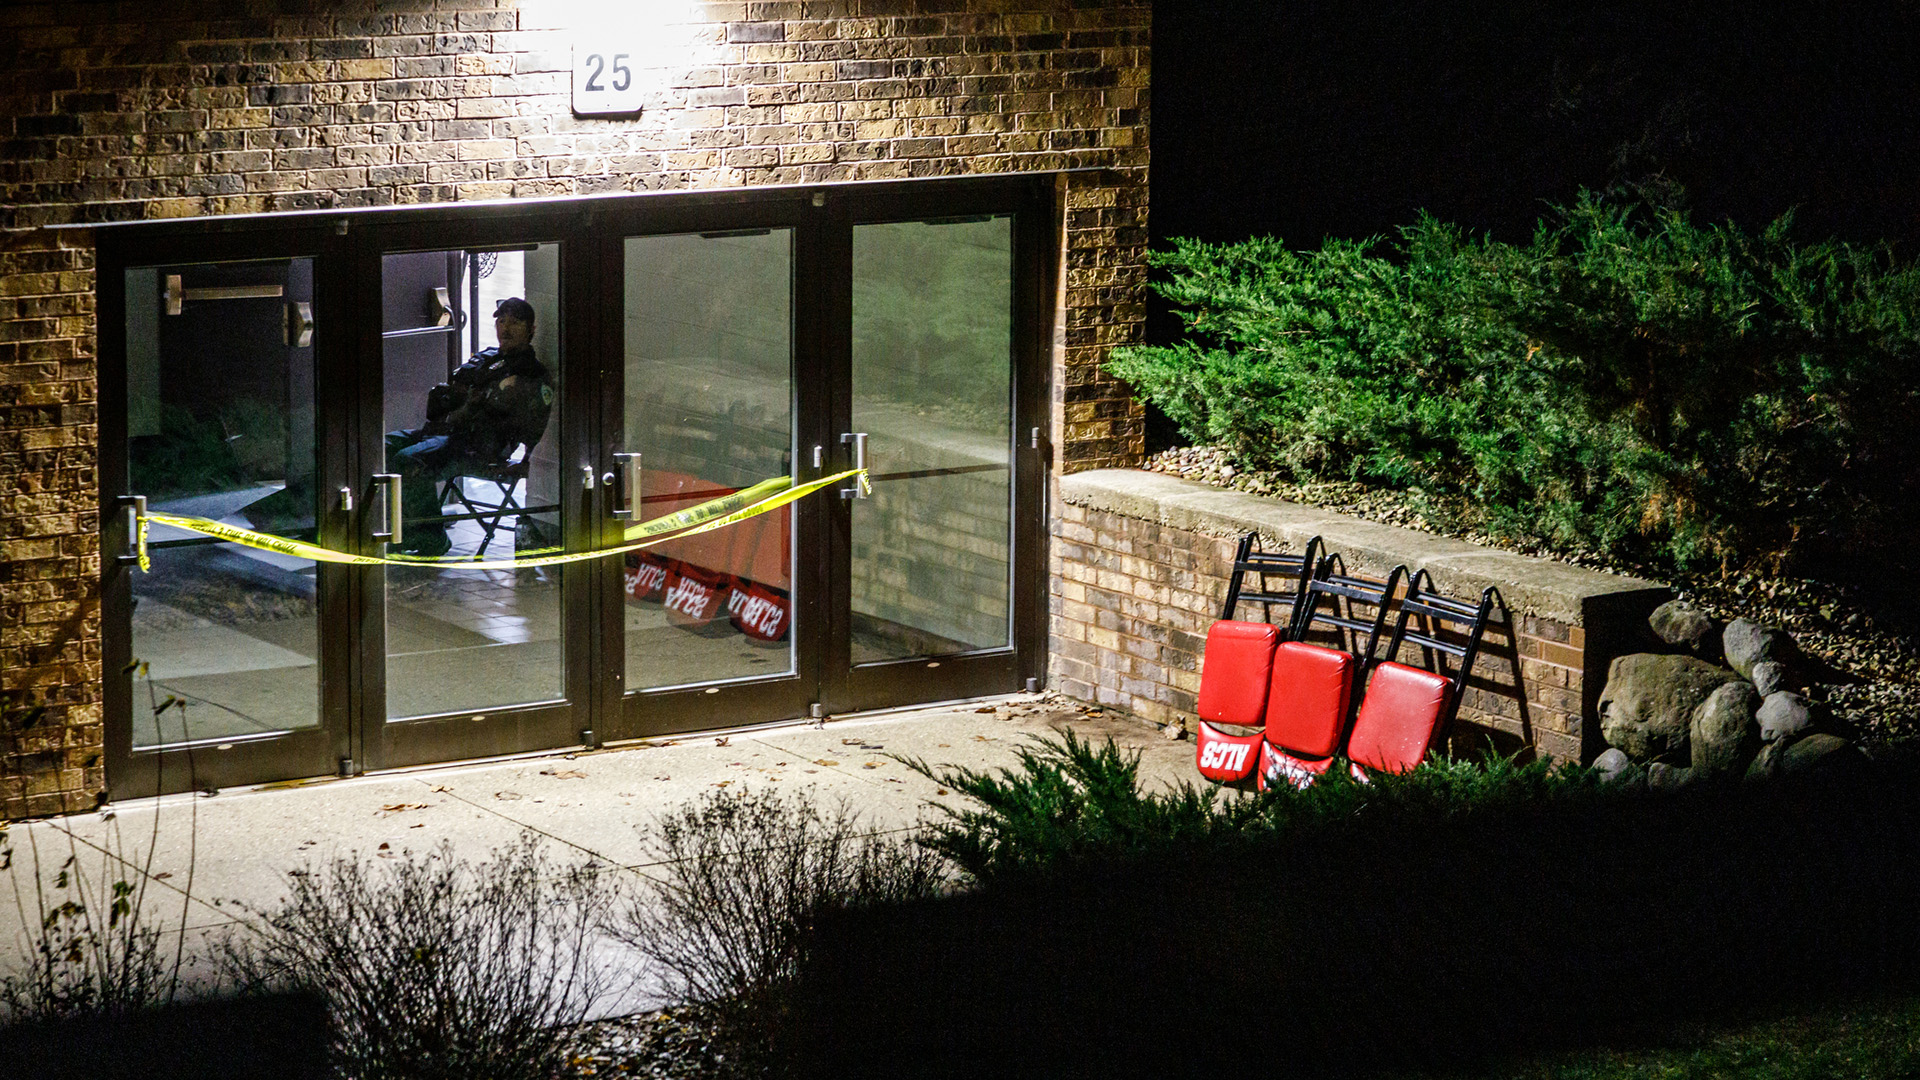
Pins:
<point x="1863" y="668"/>
<point x="681" y="1043"/>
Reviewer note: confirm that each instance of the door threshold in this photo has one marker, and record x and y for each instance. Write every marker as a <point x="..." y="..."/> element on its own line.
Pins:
<point x="852" y="719"/>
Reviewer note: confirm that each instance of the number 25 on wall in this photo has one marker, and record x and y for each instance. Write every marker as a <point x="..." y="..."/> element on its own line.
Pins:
<point x="603" y="82"/>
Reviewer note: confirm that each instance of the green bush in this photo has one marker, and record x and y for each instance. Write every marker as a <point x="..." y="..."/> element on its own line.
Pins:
<point x="1071" y="802"/>
<point x="1626" y="382"/>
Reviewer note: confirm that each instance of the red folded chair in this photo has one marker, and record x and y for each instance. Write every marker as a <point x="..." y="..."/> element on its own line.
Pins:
<point x="1237" y="667"/>
<point x="1233" y="690"/>
<point x="1406" y="710"/>
<point x="1310" y="696"/>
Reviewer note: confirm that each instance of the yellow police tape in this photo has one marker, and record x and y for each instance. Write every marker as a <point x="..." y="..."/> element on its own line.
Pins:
<point x="712" y="514"/>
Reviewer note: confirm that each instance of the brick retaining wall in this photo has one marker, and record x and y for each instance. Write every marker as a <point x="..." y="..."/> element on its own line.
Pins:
<point x="1140" y="564"/>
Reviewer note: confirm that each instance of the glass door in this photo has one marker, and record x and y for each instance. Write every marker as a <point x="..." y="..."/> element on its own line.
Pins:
<point x="212" y="395"/>
<point x="930" y="570"/>
<point x="461" y="393"/>
<point x="713" y="627"/>
<point x="469" y="478"/>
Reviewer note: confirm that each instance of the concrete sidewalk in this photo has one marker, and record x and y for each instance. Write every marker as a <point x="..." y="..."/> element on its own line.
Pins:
<point x="213" y="855"/>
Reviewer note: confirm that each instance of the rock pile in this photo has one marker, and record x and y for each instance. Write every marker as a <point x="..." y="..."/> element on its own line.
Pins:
<point x="1725" y="702"/>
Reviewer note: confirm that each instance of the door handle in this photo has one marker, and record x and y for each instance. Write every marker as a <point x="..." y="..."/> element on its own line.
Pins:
<point x="859" y="441"/>
<point x="136" y="518"/>
<point x="391" y="492"/>
<point x="625" y="474"/>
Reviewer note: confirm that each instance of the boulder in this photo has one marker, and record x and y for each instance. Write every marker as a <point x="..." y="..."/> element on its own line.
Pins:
<point x="1822" y="755"/>
<point x="1722" y="732"/>
<point x="1680" y="624"/>
<point x="1649" y="701"/>
<point x="1784" y="715"/>
<point x="1769" y="677"/>
<point x="1664" y="777"/>
<point x="1618" y="770"/>
<point x="1748" y="643"/>
<point x="1766" y="764"/>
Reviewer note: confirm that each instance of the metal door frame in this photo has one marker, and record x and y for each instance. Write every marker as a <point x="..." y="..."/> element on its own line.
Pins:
<point x="226" y="761"/>
<point x="346" y="248"/>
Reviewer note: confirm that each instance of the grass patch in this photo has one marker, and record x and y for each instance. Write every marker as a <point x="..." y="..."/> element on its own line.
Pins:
<point x="1868" y="1039"/>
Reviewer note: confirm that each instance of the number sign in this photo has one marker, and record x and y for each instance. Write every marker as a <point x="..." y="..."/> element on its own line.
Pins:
<point x="604" y="83"/>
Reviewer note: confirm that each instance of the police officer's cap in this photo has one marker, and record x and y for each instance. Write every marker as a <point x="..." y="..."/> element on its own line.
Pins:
<point x="514" y="308"/>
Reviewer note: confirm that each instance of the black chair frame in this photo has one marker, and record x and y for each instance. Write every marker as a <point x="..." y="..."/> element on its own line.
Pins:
<point x="1343" y="590"/>
<point x="1248" y="559"/>
<point x="505" y="475"/>
<point x="1424" y="602"/>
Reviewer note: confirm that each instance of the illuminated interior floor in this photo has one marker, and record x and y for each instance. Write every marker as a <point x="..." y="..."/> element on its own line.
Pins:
<point x="233" y="633"/>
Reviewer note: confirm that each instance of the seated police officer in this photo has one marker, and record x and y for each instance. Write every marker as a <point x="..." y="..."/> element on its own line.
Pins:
<point x="491" y="404"/>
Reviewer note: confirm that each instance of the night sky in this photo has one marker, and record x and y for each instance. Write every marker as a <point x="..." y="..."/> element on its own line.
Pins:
<point x="1307" y="119"/>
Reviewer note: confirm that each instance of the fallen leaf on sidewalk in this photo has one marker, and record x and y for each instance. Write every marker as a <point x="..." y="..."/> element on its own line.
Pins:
<point x="663" y="778"/>
<point x="422" y="825"/>
<point x="981" y="738"/>
<point x="942" y="791"/>
<point x="163" y="875"/>
<point x="438" y="788"/>
<point x="985" y="710"/>
<point x="829" y="762"/>
<point x="723" y="783"/>
<point x="564" y="774"/>
<point x="849" y="742"/>
<point x="870" y="764"/>
<point x="399" y="807"/>
<point x="507" y="796"/>
<point x="723" y="740"/>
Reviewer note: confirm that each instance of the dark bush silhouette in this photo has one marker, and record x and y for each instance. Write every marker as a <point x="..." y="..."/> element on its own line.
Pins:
<point x="1385" y="941"/>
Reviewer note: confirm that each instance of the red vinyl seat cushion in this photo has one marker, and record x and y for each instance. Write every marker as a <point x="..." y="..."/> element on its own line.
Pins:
<point x="1234" y="672"/>
<point x="1279" y="767"/>
<point x="1398" y="718"/>
<point x="1226" y="757"/>
<point x="1307" y="698"/>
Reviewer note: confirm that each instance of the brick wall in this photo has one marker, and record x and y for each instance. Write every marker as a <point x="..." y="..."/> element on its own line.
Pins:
<point x="50" y="733"/>
<point x="1140" y="569"/>
<point x="116" y="112"/>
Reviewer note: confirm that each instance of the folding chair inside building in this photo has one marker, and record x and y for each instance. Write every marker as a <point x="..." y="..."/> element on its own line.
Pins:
<point x="488" y="510"/>
<point x="1236" y="668"/>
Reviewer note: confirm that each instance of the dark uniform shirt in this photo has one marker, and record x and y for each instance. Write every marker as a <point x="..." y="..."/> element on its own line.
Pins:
<point x="499" y="399"/>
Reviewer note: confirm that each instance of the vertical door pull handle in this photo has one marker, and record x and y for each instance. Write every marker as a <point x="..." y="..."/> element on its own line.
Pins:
<point x="136" y="517"/>
<point x="395" y="512"/>
<point x="1033" y="438"/>
<point x="626" y="472"/>
<point x="859" y="441"/>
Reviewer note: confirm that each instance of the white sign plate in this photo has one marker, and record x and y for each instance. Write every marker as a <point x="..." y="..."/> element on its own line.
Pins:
<point x="605" y="82"/>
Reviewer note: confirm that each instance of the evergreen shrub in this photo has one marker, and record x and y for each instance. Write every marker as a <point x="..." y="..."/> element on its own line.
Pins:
<point x="1627" y="382"/>
<point x="1072" y="803"/>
